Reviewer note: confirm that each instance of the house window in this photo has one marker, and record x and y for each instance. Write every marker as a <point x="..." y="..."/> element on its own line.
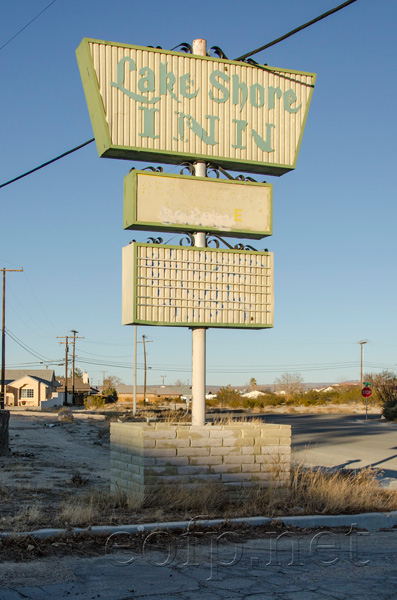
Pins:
<point x="27" y="393"/>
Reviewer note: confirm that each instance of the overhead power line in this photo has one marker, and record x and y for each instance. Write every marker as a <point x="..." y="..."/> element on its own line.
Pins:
<point x="48" y="162"/>
<point x="290" y="33"/>
<point x="27" y="25"/>
<point x="243" y="57"/>
<point x="26" y="347"/>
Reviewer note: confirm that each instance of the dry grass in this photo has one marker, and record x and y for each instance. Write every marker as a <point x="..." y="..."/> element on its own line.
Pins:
<point x="230" y="420"/>
<point x="3" y="486"/>
<point x="27" y="517"/>
<point x="322" y="491"/>
<point x="309" y="491"/>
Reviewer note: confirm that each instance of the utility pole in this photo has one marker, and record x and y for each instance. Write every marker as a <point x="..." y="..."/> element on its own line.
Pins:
<point x="66" y="338"/>
<point x="4" y="414"/>
<point x="3" y="337"/>
<point x="163" y="377"/>
<point x="362" y="342"/>
<point x="73" y="359"/>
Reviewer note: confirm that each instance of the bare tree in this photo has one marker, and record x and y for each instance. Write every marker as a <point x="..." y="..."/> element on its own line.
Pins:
<point x="289" y="383"/>
<point x="111" y="382"/>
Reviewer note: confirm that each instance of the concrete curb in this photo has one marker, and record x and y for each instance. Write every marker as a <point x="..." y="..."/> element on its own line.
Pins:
<point x="54" y="415"/>
<point x="367" y="521"/>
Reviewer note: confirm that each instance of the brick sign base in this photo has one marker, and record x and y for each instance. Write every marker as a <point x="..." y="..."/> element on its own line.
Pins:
<point x="146" y="456"/>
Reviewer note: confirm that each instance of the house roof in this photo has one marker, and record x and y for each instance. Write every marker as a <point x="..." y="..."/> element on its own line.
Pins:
<point x="79" y="385"/>
<point x="45" y="375"/>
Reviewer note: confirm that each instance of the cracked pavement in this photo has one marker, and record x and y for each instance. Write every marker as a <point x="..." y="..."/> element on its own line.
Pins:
<point x="291" y="565"/>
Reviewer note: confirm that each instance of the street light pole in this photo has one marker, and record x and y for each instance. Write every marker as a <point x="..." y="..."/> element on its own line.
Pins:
<point x="362" y="342"/>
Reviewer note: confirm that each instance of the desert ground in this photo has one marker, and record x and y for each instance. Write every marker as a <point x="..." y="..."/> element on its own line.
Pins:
<point x="49" y="462"/>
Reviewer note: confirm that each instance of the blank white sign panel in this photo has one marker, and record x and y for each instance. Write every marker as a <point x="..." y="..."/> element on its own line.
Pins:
<point x="197" y="287"/>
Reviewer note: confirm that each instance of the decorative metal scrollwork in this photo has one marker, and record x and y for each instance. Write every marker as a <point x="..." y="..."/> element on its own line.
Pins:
<point x="188" y="237"/>
<point x="218" y="52"/>
<point x="214" y="239"/>
<point x="152" y="240"/>
<point x="158" y="47"/>
<point x="251" y="61"/>
<point x="212" y="169"/>
<point x="244" y="178"/>
<point x="218" y="169"/>
<point x="189" y="167"/>
<point x="184" y="47"/>
<point x="155" y="169"/>
<point x="245" y="247"/>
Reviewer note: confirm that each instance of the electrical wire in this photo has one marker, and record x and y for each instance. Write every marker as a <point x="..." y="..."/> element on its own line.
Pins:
<point x="27" y="25"/>
<point x="290" y="33"/>
<point x="243" y="57"/>
<point x="49" y="162"/>
<point x="25" y="347"/>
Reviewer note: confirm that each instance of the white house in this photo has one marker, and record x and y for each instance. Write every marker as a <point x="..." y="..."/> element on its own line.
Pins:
<point x="29" y="387"/>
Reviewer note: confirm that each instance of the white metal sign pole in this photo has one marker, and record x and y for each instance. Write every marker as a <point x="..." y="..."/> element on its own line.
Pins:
<point x="135" y="343"/>
<point x="198" y="333"/>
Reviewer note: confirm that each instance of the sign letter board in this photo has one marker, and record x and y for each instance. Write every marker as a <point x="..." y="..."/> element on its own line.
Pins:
<point x="165" y="202"/>
<point x="150" y="104"/>
<point x="197" y="287"/>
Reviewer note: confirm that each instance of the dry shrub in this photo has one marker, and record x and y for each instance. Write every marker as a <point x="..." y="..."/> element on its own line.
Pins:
<point x="320" y="491"/>
<point x="26" y="517"/>
<point x="77" y="513"/>
<point x="3" y="486"/>
<point x="239" y="421"/>
<point x="208" y="497"/>
<point x="65" y="415"/>
<point x="305" y="491"/>
<point x="333" y="492"/>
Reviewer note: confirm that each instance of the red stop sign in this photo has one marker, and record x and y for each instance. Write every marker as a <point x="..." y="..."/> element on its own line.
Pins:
<point x="366" y="392"/>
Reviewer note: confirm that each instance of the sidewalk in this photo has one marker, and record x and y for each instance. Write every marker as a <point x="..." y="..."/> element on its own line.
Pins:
<point x="282" y="566"/>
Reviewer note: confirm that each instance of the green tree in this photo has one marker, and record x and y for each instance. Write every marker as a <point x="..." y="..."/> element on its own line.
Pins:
<point x="109" y="386"/>
<point x="253" y="384"/>
<point x="228" y="396"/>
<point x="384" y="387"/>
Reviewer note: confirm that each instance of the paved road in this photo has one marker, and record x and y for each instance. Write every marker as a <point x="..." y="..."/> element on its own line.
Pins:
<point x="299" y="567"/>
<point x="343" y="440"/>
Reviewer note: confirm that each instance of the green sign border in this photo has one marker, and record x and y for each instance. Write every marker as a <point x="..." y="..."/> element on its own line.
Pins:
<point x="108" y="150"/>
<point x="130" y="220"/>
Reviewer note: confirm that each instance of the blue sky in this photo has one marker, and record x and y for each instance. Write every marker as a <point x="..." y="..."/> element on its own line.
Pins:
<point x="334" y="217"/>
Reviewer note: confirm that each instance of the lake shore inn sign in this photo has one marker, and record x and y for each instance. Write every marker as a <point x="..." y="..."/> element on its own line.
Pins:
<point x="150" y="104"/>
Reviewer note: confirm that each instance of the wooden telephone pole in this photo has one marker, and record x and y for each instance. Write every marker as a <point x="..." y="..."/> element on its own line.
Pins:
<point x="4" y="414"/>
<point x="74" y="359"/>
<point x="66" y="338"/>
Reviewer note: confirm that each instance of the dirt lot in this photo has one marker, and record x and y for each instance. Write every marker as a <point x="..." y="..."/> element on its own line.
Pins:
<point x="57" y="475"/>
<point x="50" y="461"/>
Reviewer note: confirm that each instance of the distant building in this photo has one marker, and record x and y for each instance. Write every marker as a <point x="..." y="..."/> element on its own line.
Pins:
<point x="82" y="389"/>
<point x="154" y="393"/>
<point x="29" y="387"/>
